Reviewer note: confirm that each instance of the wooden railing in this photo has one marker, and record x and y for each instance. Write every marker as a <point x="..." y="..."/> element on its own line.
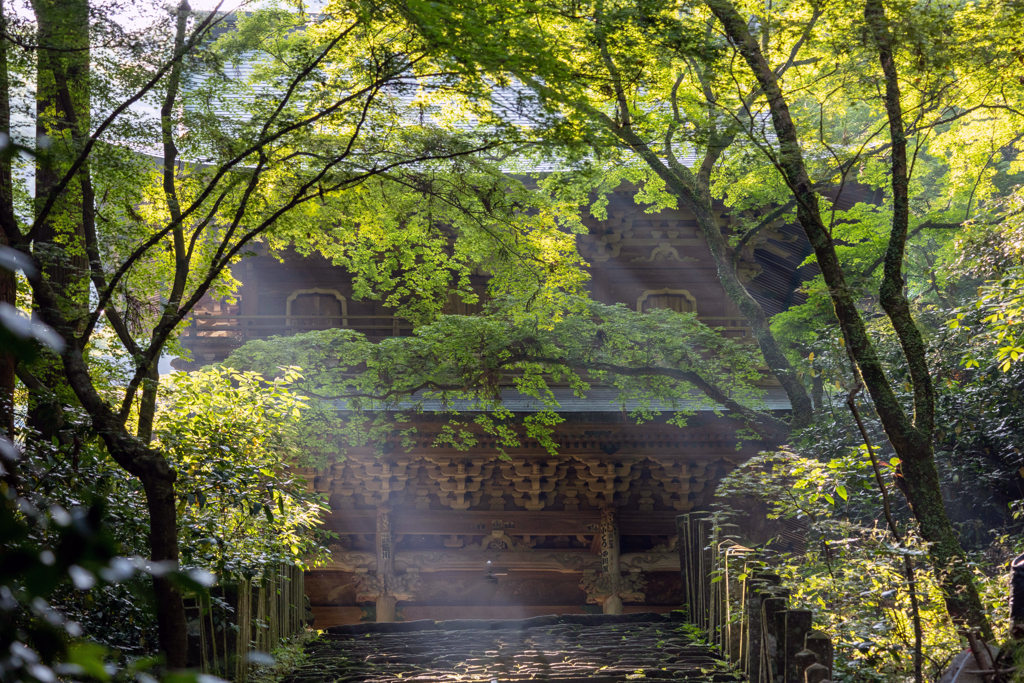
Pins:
<point x="215" y="327"/>
<point x="242" y="616"/>
<point x="731" y="326"/>
<point x="745" y="613"/>
<point x="220" y="327"/>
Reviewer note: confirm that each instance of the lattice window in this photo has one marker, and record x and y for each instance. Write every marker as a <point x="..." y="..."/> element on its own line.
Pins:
<point x="456" y="306"/>
<point x="317" y="309"/>
<point x="678" y="300"/>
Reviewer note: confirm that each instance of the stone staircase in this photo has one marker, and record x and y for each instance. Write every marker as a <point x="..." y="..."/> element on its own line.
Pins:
<point x="567" y="649"/>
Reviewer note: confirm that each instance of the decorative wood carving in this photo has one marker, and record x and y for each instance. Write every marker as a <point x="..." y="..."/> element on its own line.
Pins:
<point x="563" y="562"/>
<point x="533" y="482"/>
<point x="665" y="252"/>
<point x="499" y="540"/>
<point x="380" y="479"/>
<point x="350" y="561"/>
<point x="455" y="559"/>
<point x="372" y="588"/>
<point x="650" y="562"/>
<point x="607" y="483"/>
<point x="459" y="482"/>
<point x="599" y="589"/>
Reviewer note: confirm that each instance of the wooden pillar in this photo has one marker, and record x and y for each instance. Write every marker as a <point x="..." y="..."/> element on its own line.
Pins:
<point x="248" y="297"/>
<point x="771" y="605"/>
<point x="248" y="293"/>
<point x="821" y="645"/>
<point x="386" y="602"/>
<point x="1017" y="597"/>
<point x="610" y="560"/>
<point x="794" y="625"/>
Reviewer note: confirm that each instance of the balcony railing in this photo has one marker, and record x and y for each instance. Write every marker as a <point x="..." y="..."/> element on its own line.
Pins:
<point x="732" y="327"/>
<point x="242" y="328"/>
<point x="231" y="330"/>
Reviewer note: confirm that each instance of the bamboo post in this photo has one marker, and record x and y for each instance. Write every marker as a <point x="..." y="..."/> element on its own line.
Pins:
<point x="213" y="638"/>
<point x="275" y="624"/>
<point x="262" y="642"/>
<point x="243" y="614"/>
<point x="204" y="664"/>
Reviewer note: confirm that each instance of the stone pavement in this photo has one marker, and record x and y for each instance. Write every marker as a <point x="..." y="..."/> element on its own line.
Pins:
<point x="566" y="649"/>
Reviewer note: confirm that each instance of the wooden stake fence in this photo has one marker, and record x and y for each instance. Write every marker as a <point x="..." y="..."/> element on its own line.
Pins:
<point x="747" y="618"/>
<point x="245" y="615"/>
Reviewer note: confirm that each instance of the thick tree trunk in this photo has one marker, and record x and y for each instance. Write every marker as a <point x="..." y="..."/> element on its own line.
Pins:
<point x="157" y="477"/>
<point x="8" y="283"/>
<point x="63" y="62"/>
<point x="912" y="442"/>
<point x="59" y="248"/>
<point x="172" y="628"/>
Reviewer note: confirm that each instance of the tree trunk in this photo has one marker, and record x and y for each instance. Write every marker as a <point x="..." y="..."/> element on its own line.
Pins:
<point x="172" y="626"/>
<point x="62" y="61"/>
<point x="911" y="441"/>
<point x="8" y="283"/>
<point x="694" y="194"/>
<point x="147" y="404"/>
<point x="921" y="485"/>
<point x="61" y="294"/>
<point x="157" y="477"/>
<point x="59" y="247"/>
<point x="775" y="358"/>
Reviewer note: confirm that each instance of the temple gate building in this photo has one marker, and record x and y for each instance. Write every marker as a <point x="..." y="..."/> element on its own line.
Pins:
<point x="438" y="533"/>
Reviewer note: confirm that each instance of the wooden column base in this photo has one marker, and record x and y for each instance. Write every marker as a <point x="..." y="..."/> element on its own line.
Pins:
<point x="387" y="608"/>
<point x="612" y="605"/>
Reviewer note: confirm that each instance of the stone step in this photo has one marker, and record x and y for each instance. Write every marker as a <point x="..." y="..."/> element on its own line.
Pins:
<point x="560" y="649"/>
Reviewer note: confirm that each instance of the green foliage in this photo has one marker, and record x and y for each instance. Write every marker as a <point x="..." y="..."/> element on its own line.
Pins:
<point x="241" y="506"/>
<point x="117" y="615"/>
<point x="69" y="601"/>
<point x="660" y="361"/>
<point x="852" y="573"/>
<point x="614" y="90"/>
<point x="34" y="636"/>
<point x="978" y="421"/>
<point x="1001" y="303"/>
<point x="242" y="510"/>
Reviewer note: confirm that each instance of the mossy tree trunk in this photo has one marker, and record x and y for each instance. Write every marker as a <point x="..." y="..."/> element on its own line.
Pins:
<point x="910" y="436"/>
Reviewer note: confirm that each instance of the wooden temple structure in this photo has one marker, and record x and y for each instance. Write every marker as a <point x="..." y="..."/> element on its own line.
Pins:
<point x="436" y="533"/>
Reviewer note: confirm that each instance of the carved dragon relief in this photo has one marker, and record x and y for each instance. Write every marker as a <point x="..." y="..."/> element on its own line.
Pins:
<point x="350" y="561"/>
<point x="650" y="562"/>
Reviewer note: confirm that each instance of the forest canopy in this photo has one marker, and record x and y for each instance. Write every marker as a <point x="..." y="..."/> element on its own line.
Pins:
<point x="149" y="151"/>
